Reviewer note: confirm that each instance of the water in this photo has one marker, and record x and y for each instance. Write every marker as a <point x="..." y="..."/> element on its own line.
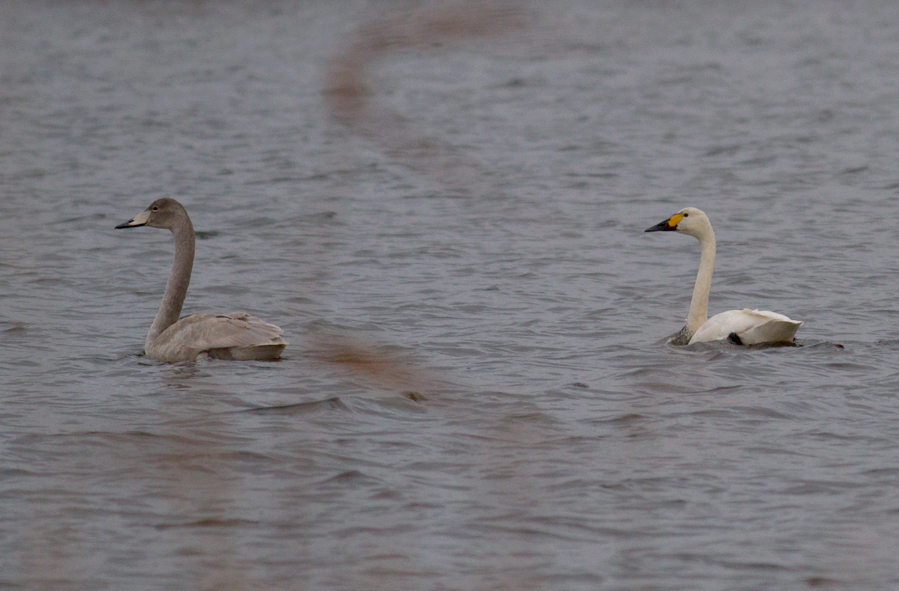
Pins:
<point x="478" y="393"/>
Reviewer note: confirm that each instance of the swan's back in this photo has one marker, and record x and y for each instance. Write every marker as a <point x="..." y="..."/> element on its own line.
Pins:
<point x="752" y="327"/>
<point x="236" y="335"/>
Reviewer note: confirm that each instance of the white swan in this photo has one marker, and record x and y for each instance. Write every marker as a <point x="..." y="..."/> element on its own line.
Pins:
<point x="744" y="327"/>
<point x="235" y="335"/>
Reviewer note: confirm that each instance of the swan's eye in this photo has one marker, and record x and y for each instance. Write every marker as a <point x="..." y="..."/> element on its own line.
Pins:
<point x="686" y="215"/>
<point x="155" y="209"/>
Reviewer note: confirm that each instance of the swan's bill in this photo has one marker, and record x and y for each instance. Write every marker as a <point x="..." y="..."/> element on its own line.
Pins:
<point x="140" y="219"/>
<point x="669" y="225"/>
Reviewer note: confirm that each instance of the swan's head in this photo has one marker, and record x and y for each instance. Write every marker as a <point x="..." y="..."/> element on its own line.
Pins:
<point x="689" y="220"/>
<point x="162" y="213"/>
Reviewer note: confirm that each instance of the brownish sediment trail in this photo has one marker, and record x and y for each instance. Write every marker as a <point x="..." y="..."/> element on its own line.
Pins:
<point x="376" y="365"/>
<point x="351" y="99"/>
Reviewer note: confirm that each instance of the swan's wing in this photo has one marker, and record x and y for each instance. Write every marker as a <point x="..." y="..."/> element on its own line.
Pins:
<point x="753" y="327"/>
<point x="193" y="335"/>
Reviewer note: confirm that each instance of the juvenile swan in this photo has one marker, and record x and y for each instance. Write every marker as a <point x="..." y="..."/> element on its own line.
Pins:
<point x="235" y="335"/>
<point x="743" y="327"/>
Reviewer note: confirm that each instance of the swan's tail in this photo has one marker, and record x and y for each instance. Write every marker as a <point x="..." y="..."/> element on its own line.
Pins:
<point x="265" y="352"/>
<point x="773" y="328"/>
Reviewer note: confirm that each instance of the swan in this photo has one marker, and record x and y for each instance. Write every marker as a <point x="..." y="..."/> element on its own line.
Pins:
<point x="235" y="335"/>
<point x="743" y="327"/>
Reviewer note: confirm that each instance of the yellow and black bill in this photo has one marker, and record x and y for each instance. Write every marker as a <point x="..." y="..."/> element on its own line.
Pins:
<point x="668" y="225"/>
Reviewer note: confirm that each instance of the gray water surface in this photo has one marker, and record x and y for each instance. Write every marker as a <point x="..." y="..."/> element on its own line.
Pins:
<point x="447" y="221"/>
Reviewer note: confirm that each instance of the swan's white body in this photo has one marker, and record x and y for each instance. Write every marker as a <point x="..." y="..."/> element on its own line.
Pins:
<point x="752" y="327"/>
<point x="747" y="327"/>
<point x="235" y="335"/>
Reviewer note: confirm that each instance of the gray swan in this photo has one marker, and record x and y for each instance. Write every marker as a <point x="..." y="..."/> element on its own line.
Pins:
<point x="235" y="335"/>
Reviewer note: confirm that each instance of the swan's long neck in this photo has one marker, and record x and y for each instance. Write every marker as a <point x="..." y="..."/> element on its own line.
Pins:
<point x="179" y="279"/>
<point x="699" y="305"/>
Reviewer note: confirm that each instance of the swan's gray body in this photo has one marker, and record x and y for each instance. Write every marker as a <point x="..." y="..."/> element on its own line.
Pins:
<point x="235" y="335"/>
